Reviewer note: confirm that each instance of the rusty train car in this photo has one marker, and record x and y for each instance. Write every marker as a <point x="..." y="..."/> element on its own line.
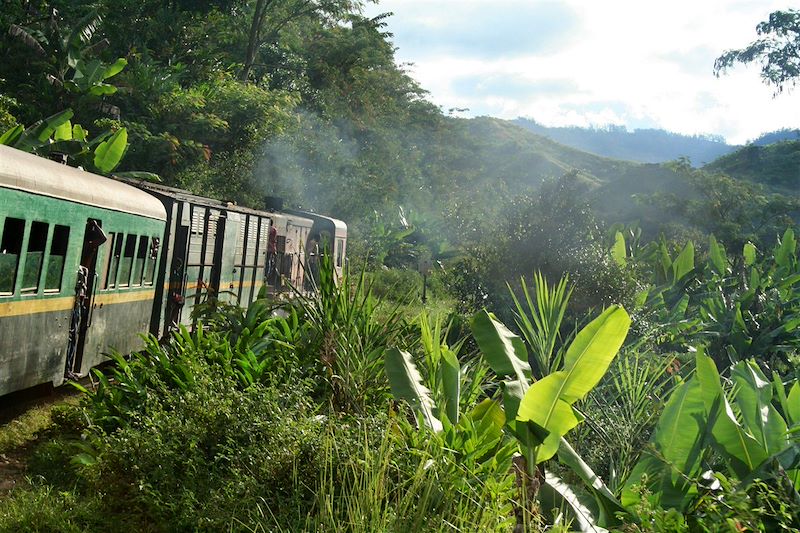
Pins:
<point x="88" y="263"/>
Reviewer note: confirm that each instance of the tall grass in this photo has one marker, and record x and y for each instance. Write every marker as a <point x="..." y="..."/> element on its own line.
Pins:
<point x="345" y="336"/>
<point x="392" y="487"/>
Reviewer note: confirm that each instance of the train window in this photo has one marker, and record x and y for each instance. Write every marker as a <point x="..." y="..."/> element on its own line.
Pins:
<point x="339" y="252"/>
<point x="55" y="262"/>
<point x="115" y="251"/>
<point x="150" y="262"/>
<point x="10" y="248"/>
<point x="37" y="242"/>
<point x="126" y="263"/>
<point x="138" y="262"/>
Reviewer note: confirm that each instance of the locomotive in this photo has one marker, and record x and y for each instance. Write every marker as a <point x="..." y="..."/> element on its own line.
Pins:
<point x="88" y="263"/>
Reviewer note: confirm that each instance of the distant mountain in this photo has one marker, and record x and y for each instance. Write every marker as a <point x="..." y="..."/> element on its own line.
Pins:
<point x="772" y="137"/>
<point x="641" y="145"/>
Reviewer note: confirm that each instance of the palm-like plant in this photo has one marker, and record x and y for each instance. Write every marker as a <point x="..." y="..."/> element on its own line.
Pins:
<point x="539" y="321"/>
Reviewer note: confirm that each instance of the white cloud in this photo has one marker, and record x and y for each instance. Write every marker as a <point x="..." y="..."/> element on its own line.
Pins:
<point x="643" y="64"/>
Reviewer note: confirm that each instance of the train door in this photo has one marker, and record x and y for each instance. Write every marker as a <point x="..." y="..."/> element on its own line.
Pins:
<point x="85" y="287"/>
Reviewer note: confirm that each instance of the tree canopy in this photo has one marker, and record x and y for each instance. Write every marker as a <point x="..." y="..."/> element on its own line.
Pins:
<point x="777" y="50"/>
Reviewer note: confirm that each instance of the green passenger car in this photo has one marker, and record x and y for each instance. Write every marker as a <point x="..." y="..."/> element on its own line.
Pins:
<point x="79" y="259"/>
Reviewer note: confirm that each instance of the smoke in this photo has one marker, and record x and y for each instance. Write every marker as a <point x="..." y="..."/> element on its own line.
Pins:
<point x="308" y="165"/>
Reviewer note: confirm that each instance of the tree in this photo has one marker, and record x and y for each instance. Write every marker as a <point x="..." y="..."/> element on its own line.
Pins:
<point x="271" y="16"/>
<point x="777" y="49"/>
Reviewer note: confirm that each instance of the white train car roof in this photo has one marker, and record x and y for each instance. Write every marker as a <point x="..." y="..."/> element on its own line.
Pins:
<point x="281" y="219"/>
<point x="37" y="175"/>
<point x="340" y="228"/>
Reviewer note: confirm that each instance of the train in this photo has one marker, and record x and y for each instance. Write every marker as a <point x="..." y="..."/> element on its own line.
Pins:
<point x="89" y="263"/>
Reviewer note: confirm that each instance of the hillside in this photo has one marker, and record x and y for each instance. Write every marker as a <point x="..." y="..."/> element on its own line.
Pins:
<point x="642" y="145"/>
<point x="776" y="164"/>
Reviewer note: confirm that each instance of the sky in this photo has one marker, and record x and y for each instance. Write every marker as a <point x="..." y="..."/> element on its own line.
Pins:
<point x="642" y="64"/>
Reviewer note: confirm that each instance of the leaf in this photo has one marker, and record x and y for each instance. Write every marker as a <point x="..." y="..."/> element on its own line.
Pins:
<point x="102" y="89"/>
<point x="548" y="401"/>
<point x="451" y="384"/>
<point x="728" y="434"/>
<point x="684" y="263"/>
<point x="513" y="392"/>
<point x="679" y="311"/>
<point x="749" y="253"/>
<point x="84" y="29"/>
<point x="583" y="508"/>
<point x="678" y="442"/>
<point x="407" y="384"/>
<point x="109" y="153"/>
<point x="39" y="133"/>
<point x="544" y="405"/>
<point x="63" y="132"/>
<point x="592" y="351"/>
<point x="609" y="505"/>
<point x="785" y="251"/>
<point x="793" y="403"/>
<point x="78" y="133"/>
<point x="504" y="351"/>
<point x="754" y="398"/>
<point x="9" y="138"/>
<point x="618" y="250"/>
<point x="20" y="33"/>
<point x="716" y="254"/>
<point x="114" y="68"/>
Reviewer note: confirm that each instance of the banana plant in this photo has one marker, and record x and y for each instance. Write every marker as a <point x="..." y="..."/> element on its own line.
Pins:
<point x="539" y="414"/>
<point x="744" y="420"/>
<point x="446" y="399"/>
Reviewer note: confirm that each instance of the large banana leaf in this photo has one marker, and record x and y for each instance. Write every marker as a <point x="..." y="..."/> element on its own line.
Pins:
<point x="39" y="133"/>
<point x="745" y="452"/>
<point x="754" y="398"/>
<point x="503" y="350"/>
<point x="592" y="351"/>
<point x="109" y="153"/>
<point x="793" y="404"/>
<point x="406" y="384"/>
<point x="544" y="406"/>
<point x="548" y="402"/>
<point x="608" y="506"/>
<point x="684" y="263"/>
<point x="582" y="507"/>
<point x="618" y="250"/>
<point x="677" y="446"/>
<point x="785" y="251"/>
<point x="716" y="254"/>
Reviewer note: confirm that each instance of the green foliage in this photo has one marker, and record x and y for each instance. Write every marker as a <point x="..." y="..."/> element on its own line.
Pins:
<point x="776" y="50"/>
<point x="346" y="339"/>
<point x="538" y="415"/>
<point x="775" y="164"/>
<point x="540" y="323"/>
<point x="740" y="306"/>
<point x="743" y="423"/>
<point x="735" y="211"/>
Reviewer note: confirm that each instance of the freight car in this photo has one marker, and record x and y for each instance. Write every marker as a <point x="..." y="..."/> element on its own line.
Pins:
<point x="89" y="263"/>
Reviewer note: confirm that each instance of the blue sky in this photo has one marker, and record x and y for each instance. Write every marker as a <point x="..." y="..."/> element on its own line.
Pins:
<point x="639" y="63"/>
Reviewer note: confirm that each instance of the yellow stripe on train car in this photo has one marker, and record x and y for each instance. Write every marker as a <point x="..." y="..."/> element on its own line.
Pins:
<point x="65" y="303"/>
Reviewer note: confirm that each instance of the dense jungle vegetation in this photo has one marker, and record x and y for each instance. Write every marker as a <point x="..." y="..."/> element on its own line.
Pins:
<point x="607" y="345"/>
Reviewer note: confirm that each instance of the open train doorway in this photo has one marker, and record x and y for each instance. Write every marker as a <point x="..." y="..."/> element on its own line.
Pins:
<point x="85" y="287"/>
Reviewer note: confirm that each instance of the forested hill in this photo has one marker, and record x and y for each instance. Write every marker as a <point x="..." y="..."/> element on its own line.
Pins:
<point x="643" y="145"/>
<point x="776" y="164"/>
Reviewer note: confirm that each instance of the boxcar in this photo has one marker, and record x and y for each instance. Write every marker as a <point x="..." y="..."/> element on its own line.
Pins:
<point x="79" y="255"/>
<point x="211" y="248"/>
